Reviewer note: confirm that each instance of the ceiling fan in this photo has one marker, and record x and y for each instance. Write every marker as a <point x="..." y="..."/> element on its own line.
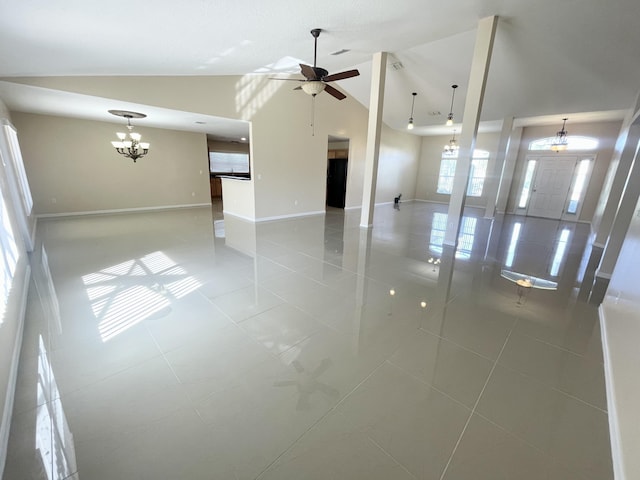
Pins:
<point x="317" y="78"/>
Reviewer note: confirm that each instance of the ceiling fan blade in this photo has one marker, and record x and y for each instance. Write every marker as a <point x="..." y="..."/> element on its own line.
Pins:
<point x="341" y="76"/>
<point x="308" y="72"/>
<point x="334" y="92"/>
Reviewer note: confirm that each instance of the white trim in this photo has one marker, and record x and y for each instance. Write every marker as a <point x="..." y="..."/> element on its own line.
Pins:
<point x="122" y="210"/>
<point x="353" y="208"/>
<point x="248" y="219"/>
<point x="293" y="215"/>
<point x="431" y="201"/>
<point x="13" y="373"/>
<point x="614" y="431"/>
<point x="606" y="276"/>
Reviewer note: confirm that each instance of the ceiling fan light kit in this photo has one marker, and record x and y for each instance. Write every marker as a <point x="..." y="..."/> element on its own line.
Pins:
<point x="313" y="88"/>
<point x="317" y="78"/>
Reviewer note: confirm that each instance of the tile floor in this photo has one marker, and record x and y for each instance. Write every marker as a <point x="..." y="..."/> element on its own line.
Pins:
<point x="185" y="345"/>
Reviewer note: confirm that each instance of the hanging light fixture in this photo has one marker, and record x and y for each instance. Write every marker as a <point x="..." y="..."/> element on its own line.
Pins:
<point x="452" y="147"/>
<point x="450" y="116"/>
<point x="413" y="102"/>
<point x="561" y="141"/>
<point x="129" y="144"/>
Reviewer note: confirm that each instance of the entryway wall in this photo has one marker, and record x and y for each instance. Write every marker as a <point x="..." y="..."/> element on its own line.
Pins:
<point x="431" y="153"/>
<point x="605" y="132"/>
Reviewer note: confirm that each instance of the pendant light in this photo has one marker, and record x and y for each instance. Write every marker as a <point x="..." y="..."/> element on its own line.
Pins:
<point x="452" y="147"/>
<point x="413" y="102"/>
<point x="450" y="116"/>
<point x="561" y="141"/>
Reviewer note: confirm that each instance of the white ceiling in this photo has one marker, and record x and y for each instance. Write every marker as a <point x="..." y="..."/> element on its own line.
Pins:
<point x="552" y="58"/>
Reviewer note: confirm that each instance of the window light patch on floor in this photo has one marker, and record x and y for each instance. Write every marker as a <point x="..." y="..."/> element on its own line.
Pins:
<point x="127" y="293"/>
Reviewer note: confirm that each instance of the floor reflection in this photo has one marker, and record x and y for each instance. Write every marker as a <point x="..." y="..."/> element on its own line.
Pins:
<point x="311" y="348"/>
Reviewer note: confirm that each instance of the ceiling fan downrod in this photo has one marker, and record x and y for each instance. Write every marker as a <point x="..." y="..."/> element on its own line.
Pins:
<point x="315" y="33"/>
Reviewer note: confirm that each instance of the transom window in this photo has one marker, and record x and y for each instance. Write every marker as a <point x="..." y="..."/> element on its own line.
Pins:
<point x="478" y="173"/>
<point x="574" y="142"/>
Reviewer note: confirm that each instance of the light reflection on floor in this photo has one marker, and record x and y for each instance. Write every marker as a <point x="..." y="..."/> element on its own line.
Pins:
<point x="311" y="348"/>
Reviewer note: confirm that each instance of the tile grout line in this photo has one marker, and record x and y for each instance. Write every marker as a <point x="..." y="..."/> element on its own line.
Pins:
<point x="391" y="456"/>
<point x="464" y="429"/>
<point x="332" y="409"/>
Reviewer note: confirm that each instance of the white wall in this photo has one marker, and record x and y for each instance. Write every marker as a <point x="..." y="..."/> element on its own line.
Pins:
<point x="73" y="168"/>
<point x="288" y="161"/>
<point x="430" y="156"/>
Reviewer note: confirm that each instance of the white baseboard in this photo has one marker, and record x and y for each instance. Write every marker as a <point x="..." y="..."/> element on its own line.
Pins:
<point x="122" y="210"/>
<point x="293" y="215"/>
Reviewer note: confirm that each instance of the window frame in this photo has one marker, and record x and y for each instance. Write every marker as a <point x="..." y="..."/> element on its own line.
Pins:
<point x="479" y="161"/>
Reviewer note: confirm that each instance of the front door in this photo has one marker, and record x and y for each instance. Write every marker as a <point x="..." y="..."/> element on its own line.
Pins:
<point x="551" y="187"/>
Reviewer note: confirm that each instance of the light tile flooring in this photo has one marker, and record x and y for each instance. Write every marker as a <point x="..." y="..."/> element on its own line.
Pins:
<point x="185" y="345"/>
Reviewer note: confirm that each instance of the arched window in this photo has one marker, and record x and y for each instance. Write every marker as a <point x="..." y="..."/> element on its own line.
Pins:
<point x="574" y="142"/>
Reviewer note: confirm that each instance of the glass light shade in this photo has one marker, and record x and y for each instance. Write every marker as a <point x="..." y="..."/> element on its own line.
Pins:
<point x="144" y="145"/>
<point x="127" y="144"/>
<point x="559" y="147"/>
<point x="410" y="124"/>
<point x="117" y="144"/>
<point x="313" y="87"/>
<point x="121" y="135"/>
<point x="135" y="136"/>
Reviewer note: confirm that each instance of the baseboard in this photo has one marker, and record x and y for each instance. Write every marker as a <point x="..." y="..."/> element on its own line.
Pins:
<point x="5" y="426"/>
<point x="293" y="215"/>
<point x="122" y="210"/>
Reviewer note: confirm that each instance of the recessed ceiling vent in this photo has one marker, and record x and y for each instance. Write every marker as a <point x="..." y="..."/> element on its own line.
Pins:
<point x="397" y="65"/>
<point x="340" y="52"/>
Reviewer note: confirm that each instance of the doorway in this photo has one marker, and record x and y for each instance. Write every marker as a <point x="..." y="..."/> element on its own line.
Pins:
<point x="554" y="186"/>
<point x="337" y="168"/>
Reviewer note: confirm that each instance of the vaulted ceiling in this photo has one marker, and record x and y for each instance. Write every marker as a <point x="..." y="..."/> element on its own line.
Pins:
<point x="552" y="58"/>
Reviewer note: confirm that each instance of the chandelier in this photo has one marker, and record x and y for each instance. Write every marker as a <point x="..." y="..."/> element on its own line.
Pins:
<point x="413" y="102"/>
<point x="129" y="144"/>
<point x="561" y="141"/>
<point x="452" y="147"/>
<point x="450" y="116"/>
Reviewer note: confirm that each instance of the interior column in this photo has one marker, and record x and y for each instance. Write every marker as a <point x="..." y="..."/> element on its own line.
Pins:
<point x="472" y="108"/>
<point x="495" y="177"/>
<point x="624" y="215"/>
<point x="378" y="74"/>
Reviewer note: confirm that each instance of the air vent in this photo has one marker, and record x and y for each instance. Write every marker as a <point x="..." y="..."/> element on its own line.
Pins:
<point x="397" y="65"/>
<point x="340" y="52"/>
<point x="435" y="113"/>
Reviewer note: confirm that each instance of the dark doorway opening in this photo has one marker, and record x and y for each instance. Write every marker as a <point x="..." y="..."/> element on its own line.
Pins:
<point x="337" y="167"/>
<point x="336" y="182"/>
